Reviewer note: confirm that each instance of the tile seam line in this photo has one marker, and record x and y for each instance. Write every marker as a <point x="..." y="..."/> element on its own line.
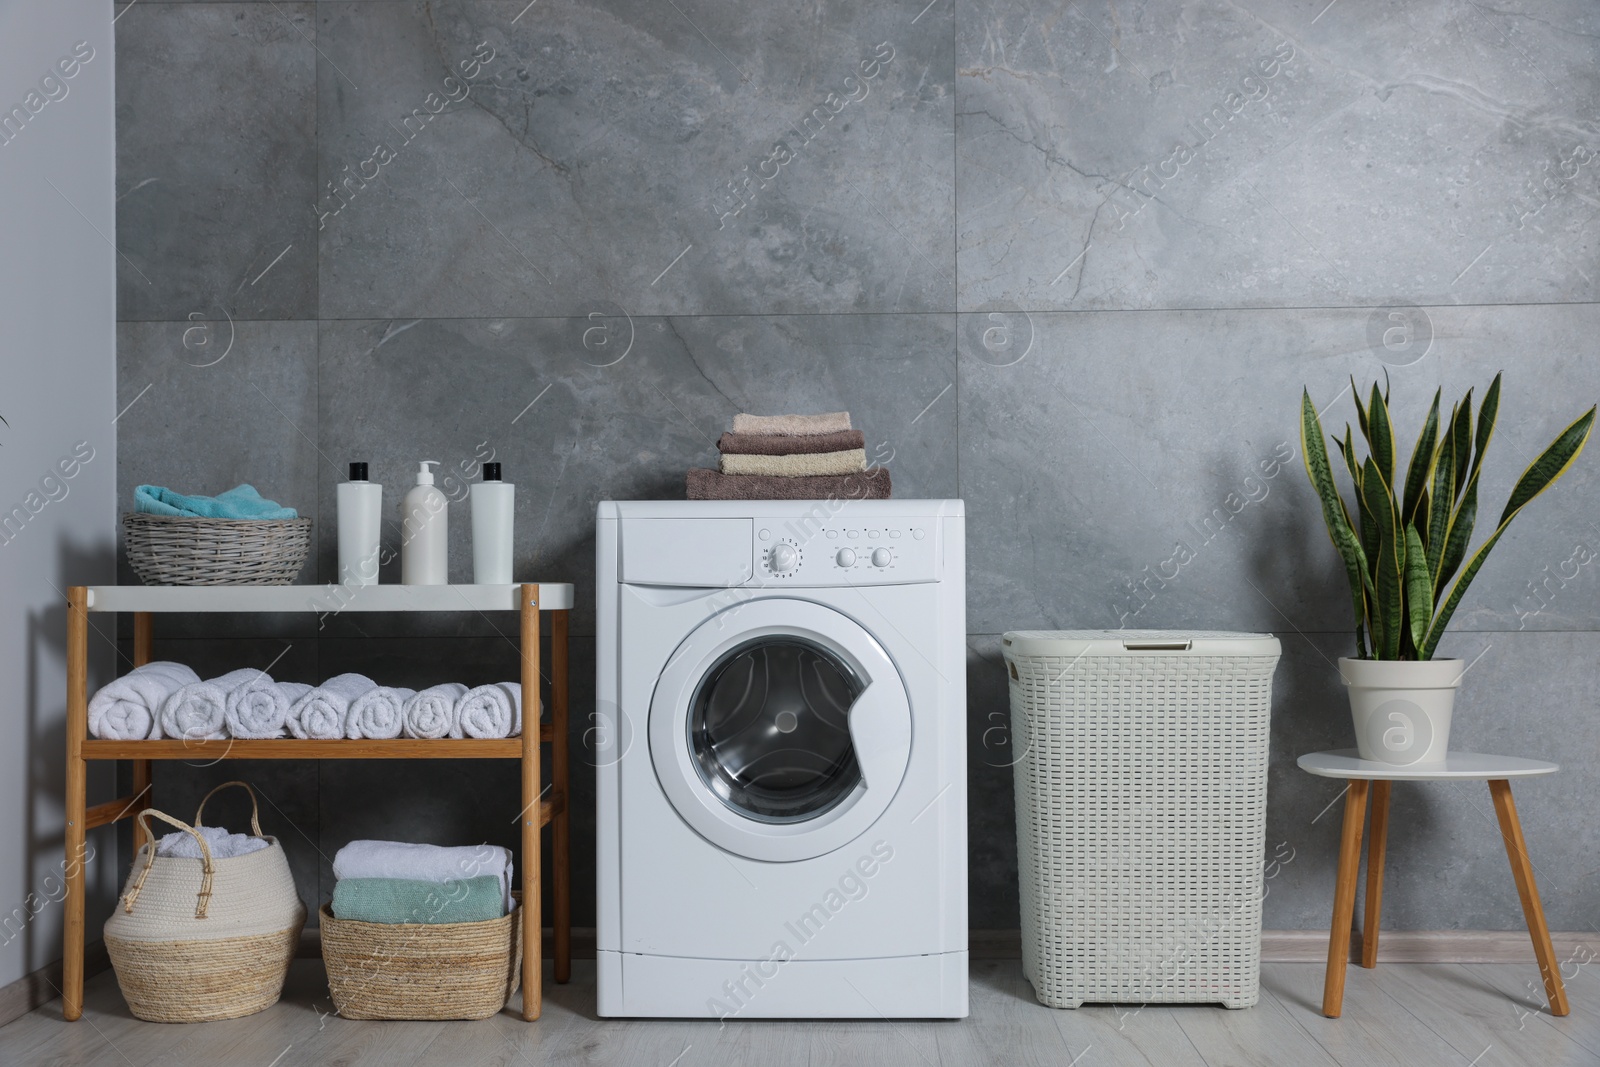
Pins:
<point x="901" y="314"/>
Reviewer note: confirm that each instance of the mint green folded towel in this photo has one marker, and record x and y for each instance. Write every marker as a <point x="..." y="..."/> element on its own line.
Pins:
<point x="404" y="900"/>
<point x="240" y="502"/>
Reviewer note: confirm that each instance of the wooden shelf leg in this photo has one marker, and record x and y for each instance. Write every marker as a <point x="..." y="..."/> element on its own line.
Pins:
<point x="1517" y="851"/>
<point x="143" y="652"/>
<point x="532" y="919"/>
<point x="76" y="801"/>
<point x="561" y="831"/>
<point x="1344" y="897"/>
<point x="1377" y="844"/>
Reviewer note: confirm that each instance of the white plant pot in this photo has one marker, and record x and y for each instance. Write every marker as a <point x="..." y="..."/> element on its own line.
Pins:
<point x="1402" y="708"/>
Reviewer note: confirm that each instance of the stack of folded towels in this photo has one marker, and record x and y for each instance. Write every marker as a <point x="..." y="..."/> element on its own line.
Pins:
<point x="791" y="457"/>
<point x="398" y="882"/>
<point x="165" y="699"/>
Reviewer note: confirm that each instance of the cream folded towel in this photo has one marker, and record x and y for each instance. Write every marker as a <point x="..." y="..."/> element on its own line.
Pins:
<point x="129" y="709"/>
<point x="378" y="714"/>
<point x="198" y="711"/>
<point x="321" y="713"/>
<point x="424" y="863"/>
<point x="850" y="461"/>
<point x="792" y="425"/>
<point x="432" y="712"/>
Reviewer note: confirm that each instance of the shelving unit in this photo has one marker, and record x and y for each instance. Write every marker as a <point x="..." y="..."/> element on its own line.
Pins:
<point x="147" y="601"/>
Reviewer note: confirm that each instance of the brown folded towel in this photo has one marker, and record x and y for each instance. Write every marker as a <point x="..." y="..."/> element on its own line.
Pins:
<point x="763" y="444"/>
<point x="870" y="484"/>
<point x="792" y="425"/>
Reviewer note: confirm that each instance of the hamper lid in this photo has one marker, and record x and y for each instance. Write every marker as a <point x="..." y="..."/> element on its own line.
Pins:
<point x="1137" y="643"/>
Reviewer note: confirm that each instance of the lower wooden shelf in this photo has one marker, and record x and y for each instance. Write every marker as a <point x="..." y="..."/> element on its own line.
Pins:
<point x="294" y="748"/>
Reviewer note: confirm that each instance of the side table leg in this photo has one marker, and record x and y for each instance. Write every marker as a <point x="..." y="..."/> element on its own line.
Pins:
<point x="1532" y="910"/>
<point x="1344" y="897"/>
<point x="532" y="814"/>
<point x="1377" y="844"/>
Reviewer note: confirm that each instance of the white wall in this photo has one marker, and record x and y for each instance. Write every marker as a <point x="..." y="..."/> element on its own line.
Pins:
<point x="58" y="394"/>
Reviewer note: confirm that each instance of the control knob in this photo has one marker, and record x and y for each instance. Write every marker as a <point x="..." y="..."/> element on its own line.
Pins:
<point x="784" y="558"/>
<point x="882" y="557"/>
<point x="846" y="557"/>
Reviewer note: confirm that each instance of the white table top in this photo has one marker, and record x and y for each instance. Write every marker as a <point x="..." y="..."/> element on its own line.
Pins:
<point x="1344" y="763"/>
<point x="553" y="596"/>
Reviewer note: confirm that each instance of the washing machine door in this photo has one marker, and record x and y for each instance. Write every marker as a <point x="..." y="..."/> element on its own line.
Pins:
<point x="780" y="730"/>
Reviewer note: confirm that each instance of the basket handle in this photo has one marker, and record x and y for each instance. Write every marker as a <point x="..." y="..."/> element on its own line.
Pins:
<point x="255" y="808"/>
<point x="207" y="867"/>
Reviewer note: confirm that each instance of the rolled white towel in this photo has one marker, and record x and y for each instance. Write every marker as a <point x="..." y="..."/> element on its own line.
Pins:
<point x="258" y="709"/>
<point x="432" y="712"/>
<point x="424" y="863"/>
<point x="493" y="710"/>
<point x="223" y="845"/>
<point x="129" y="709"/>
<point x="378" y="714"/>
<point x="198" y="711"/>
<point x="321" y="713"/>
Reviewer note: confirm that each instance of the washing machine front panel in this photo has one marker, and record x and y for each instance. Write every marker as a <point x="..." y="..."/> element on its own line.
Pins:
<point x="780" y="730"/>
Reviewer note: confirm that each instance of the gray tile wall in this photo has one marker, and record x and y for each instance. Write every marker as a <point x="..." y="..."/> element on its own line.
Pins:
<point x="1071" y="262"/>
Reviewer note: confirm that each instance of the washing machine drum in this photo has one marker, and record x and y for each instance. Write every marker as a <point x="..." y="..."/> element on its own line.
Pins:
<point x="780" y="730"/>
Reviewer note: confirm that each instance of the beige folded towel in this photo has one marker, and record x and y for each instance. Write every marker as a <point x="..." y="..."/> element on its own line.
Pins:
<point x="804" y="464"/>
<point x="792" y="425"/>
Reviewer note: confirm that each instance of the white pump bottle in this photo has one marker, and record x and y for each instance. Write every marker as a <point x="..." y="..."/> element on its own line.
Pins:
<point x="424" y="532"/>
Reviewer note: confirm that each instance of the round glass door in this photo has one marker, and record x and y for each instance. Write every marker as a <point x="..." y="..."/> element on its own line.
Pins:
<point x="780" y="729"/>
<point x="769" y="729"/>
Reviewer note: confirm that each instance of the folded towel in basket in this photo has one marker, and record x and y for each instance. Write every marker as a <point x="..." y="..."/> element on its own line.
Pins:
<point x="431" y="713"/>
<point x="424" y="863"/>
<point x="870" y="484"/>
<point x="378" y="714"/>
<point x="259" y="709"/>
<point x="129" y="709"/>
<point x="493" y="710"/>
<point x="407" y="900"/>
<point x="792" y="425"/>
<point x="199" y="710"/>
<point x="321" y="713"/>
<point x="802" y="465"/>
<point x="223" y="845"/>
<point x="240" y="502"/>
<point x="766" y="444"/>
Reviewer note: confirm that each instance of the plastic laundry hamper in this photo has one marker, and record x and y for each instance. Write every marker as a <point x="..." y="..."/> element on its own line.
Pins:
<point x="1140" y="762"/>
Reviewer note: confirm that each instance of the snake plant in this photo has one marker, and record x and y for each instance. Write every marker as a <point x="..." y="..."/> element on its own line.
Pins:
<point x="1409" y="538"/>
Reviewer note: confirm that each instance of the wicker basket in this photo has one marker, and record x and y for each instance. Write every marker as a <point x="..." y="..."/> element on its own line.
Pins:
<point x="1141" y="788"/>
<point x="178" y="550"/>
<point x="422" y="970"/>
<point x="194" y="940"/>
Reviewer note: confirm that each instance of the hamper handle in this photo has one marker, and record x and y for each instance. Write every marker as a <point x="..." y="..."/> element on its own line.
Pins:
<point x="203" y="901"/>
<point x="255" y="808"/>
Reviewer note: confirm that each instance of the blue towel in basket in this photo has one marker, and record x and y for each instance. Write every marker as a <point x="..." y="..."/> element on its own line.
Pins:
<point x="240" y="502"/>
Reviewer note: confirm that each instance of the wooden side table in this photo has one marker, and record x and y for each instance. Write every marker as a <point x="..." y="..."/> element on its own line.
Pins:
<point x="1365" y="774"/>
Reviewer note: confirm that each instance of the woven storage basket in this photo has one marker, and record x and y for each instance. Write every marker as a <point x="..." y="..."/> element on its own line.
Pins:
<point x="201" y="939"/>
<point x="177" y="550"/>
<point x="422" y="970"/>
<point x="1140" y="764"/>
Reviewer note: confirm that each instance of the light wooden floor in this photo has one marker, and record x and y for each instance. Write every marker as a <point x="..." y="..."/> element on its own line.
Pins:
<point x="1406" y="1015"/>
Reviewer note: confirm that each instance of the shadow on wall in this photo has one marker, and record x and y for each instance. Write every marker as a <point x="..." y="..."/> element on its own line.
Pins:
<point x="46" y="725"/>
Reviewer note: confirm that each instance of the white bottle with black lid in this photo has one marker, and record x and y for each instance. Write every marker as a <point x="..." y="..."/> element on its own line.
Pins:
<point x="425" y="532"/>
<point x="493" y="509"/>
<point x="359" y="505"/>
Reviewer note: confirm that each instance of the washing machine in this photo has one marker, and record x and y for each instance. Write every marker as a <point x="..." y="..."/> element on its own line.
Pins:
<point x="779" y="737"/>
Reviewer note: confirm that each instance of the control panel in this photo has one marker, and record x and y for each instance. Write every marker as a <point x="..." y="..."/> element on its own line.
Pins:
<point x="809" y="552"/>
